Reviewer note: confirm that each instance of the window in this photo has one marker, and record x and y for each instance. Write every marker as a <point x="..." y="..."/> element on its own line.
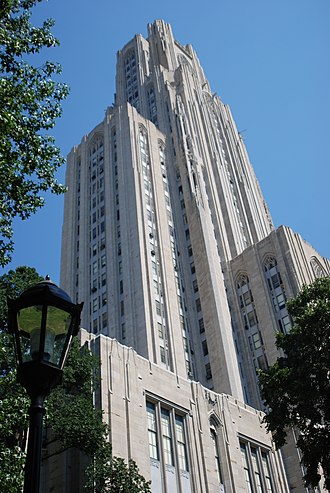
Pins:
<point x="122" y="309"/>
<point x="216" y="455"/>
<point x="266" y="471"/>
<point x="208" y="371"/>
<point x="201" y="325"/>
<point x="95" y="305"/>
<point x="286" y="322"/>
<point x="152" y="431"/>
<point x="257" y="468"/>
<point x="167" y="437"/>
<point x="247" y="472"/>
<point x="252" y="318"/>
<point x="154" y="268"/>
<point x="156" y="286"/>
<point x="160" y="330"/>
<point x="104" y="320"/>
<point x="246" y="298"/>
<point x="276" y="280"/>
<point x="280" y="301"/>
<point x="182" y="322"/>
<point x="181" y="443"/>
<point x="198" y="305"/>
<point x="158" y="307"/>
<point x="256" y="340"/>
<point x="162" y="354"/>
<point x="205" y="348"/>
<point x="262" y="362"/>
<point x="195" y="285"/>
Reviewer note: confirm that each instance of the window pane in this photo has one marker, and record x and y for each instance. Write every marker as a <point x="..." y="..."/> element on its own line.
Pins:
<point x="167" y="437"/>
<point x="181" y="443"/>
<point x="265" y="467"/>
<point x="216" y="456"/>
<point x="152" y="431"/>
<point x="246" y="467"/>
<point x="256" y="470"/>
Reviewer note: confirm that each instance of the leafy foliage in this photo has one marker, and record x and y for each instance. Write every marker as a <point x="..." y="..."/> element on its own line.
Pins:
<point x="30" y="101"/>
<point x="14" y="402"/>
<point x="71" y="413"/>
<point x="107" y="473"/>
<point x="11" y="285"/>
<point x="296" y="388"/>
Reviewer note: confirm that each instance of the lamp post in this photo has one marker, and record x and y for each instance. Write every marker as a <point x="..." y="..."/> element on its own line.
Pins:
<point x="43" y="321"/>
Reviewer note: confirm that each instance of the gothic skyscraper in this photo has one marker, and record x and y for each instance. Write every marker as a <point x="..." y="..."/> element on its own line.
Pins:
<point x="168" y="240"/>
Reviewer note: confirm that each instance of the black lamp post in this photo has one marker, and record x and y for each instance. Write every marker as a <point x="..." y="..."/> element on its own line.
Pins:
<point x="43" y="320"/>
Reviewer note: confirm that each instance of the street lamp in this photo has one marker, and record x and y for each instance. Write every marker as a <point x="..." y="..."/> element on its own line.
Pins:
<point x="43" y="321"/>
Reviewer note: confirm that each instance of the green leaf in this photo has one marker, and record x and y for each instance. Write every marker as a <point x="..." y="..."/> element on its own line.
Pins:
<point x="296" y="389"/>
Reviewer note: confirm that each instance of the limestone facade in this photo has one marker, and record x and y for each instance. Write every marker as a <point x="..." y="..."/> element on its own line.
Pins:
<point x="184" y="437"/>
<point x="169" y="242"/>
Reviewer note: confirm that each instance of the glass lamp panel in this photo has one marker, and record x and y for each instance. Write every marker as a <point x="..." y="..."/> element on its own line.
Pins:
<point x="29" y="324"/>
<point x="57" y="327"/>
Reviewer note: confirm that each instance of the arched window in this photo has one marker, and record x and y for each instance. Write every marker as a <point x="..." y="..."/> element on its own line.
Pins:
<point x="214" y="429"/>
<point x="317" y="268"/>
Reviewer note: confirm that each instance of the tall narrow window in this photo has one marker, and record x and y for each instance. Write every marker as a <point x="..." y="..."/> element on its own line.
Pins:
<point x="247" y="473"/>
<point x="216" y="455"/>
<point x="152" y="431"/>
<point x="167" y="437"/>
<point x="181" y="443"/>
<point x="255" y="465"/>
<point x="266" y="470"/>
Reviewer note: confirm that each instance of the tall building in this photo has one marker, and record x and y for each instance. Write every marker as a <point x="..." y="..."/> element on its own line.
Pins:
<point x="168" y="240"/>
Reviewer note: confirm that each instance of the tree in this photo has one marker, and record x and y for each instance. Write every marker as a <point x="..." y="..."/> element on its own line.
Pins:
<point x="296" y="389"/>
<point x="14" y="402"/>
<point x="30" y="101"/>
<point x="70" y="415"/>
<point x="111" y="474"/>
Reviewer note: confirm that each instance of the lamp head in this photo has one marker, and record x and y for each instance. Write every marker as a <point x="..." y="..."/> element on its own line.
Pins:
<point x="43" y="320"/>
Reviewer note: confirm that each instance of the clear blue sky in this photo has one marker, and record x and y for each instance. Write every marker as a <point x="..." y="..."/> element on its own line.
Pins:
<point x="268" y="59"/>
